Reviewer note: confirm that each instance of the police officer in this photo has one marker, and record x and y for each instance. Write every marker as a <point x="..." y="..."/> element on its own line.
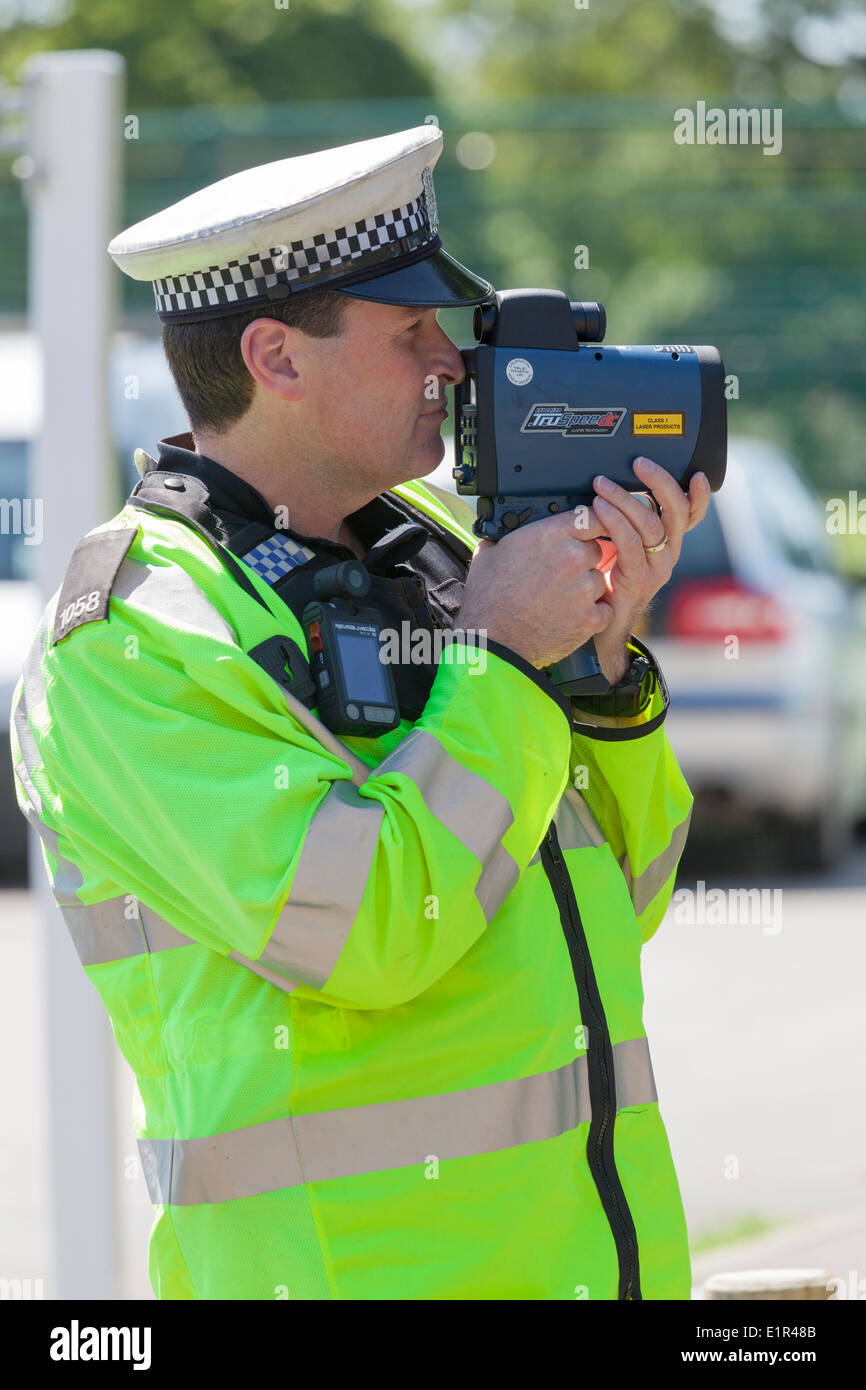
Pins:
<point x="381" y="990"/>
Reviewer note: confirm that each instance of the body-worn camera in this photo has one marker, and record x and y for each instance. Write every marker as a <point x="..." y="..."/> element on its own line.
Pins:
<point x="544" y="408"/>
<point x="355" y="690"/>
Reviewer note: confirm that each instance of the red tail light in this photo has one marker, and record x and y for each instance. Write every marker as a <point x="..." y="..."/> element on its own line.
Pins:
<point x="709" y="610"/>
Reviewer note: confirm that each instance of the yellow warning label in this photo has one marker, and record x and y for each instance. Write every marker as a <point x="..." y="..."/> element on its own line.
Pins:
<point x="645" y="422"/>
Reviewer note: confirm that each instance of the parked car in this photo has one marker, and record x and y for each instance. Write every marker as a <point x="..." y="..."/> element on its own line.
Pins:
<point x="144" y="406"/>
<point x="762" y="644"/>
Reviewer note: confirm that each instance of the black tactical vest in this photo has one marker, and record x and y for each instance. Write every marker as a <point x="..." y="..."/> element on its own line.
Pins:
<point x="417" y="567"/>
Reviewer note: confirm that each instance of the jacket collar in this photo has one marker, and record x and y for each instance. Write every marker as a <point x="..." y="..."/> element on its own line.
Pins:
<point x="228" y="492"/>
<point x="238" y="503"/>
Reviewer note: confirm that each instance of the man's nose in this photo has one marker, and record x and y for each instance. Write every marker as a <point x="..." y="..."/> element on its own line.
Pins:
<point x="450" y="367"/>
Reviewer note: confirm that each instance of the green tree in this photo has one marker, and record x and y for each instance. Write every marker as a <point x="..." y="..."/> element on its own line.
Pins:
<point x="227" y="52"/>
<point x="761" y="255"/>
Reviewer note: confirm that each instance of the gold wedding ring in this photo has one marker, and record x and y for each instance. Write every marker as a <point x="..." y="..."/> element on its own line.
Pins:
<point x="651" y="549"/>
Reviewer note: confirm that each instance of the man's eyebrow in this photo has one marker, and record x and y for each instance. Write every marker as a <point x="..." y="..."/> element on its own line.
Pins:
<point x="410" y="313"/>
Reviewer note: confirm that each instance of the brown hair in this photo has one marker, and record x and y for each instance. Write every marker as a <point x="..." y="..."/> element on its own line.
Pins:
<point x="206" y="362"/>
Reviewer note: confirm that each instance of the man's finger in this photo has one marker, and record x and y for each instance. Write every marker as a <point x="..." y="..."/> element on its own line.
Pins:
<point x="699" y="499"/>
<point x="629" y="546"/>
<point x="671" y="498"/>
<point x="645" y="520"/>
<point x="585" y="523"/>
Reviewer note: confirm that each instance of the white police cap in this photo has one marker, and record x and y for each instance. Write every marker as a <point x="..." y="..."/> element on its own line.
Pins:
<point x="360" y="219"/>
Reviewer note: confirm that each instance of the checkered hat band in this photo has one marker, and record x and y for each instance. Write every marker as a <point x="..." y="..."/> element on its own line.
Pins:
<point x="250" y="277"/>
<point x="274" y="557"/>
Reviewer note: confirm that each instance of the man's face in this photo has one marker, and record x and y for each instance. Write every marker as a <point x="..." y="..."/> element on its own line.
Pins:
<point x="375" y="398"/>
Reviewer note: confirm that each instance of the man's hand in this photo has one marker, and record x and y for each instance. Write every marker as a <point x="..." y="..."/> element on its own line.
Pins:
<point x="539" y="590"/>
<point x="633" y="576"/>
<point x="547" y="588"/>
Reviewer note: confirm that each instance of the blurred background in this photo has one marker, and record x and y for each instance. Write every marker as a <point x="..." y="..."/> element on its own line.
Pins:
<point x="559" y="170"/>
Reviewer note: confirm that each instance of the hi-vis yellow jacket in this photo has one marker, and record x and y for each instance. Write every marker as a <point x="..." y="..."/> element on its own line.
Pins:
<point x="387" y="1037"/>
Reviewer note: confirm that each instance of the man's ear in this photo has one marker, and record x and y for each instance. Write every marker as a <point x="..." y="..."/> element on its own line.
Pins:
<point x="273" y="356"/>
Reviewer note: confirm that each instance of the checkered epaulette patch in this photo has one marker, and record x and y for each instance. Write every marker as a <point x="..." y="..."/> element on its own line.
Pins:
<point x="276" y="555"/>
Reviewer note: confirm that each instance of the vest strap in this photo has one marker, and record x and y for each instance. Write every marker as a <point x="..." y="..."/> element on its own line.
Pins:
<point x="397" y="546"/>
<point x="279" y="652"/>
<point x="276" y="653"/>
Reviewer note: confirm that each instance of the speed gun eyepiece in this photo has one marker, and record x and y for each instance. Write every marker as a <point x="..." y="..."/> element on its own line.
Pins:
<point x="590" y="320"/>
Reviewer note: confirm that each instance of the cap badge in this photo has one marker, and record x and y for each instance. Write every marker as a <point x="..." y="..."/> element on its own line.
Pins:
<point x="430" y="198"/>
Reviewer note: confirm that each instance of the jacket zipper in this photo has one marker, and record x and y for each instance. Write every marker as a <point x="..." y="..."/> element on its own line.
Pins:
<point x="599" y="1058"/>
<point x="599" y="1054"/>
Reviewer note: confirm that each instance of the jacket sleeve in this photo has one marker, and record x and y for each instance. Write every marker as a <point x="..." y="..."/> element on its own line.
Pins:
<point x="626" y="770"/>
<point x="171" y="769"/>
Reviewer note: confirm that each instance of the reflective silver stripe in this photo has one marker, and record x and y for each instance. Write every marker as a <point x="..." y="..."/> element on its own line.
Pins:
<point x="576" y="826"/>
<point x="258" y="968"/>
<point x="160" y="935"/>
<point x="168" y="592"/>
<point x="20" y="767"/>
<point x="626" y="870"/>
<point x="394" y="1134"/>
<point x="68" y="878"/>
<point x="30" y="696"/>
<point x="104" y="932"/>
<point x="468" y="805"/>
<point x="633" y="1074"/>
<point x="498" y="877"/>
<point x="458" y="1124"/>
<point x="242" y="1163"/>
<point x="327" y="888"/>
<point x="644" y="888"/>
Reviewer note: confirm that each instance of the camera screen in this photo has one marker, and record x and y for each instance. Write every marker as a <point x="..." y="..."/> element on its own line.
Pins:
<point x="362" y="669"/>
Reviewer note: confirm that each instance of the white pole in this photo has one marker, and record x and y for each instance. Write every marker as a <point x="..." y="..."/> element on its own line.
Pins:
<point x="74" y="141"/>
